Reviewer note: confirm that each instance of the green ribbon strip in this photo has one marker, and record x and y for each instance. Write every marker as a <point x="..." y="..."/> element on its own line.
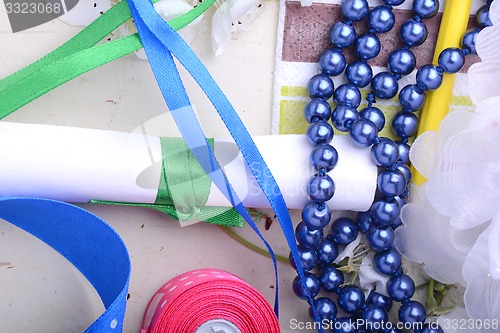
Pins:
<point x="78" y="56"/>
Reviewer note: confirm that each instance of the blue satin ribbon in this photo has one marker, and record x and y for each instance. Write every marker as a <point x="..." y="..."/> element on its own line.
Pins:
<point x="91" y="245"/>
<point x="161" y="44"/>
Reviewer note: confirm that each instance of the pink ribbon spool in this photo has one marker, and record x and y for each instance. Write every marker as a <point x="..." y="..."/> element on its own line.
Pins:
<point x="209" y="300"/>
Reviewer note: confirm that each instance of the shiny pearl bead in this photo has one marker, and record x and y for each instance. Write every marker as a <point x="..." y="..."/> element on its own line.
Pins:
<point x="375" y="115"/>
<point x="380" y="300"/>
<point x="381" y="19"/>
<point x="319" y="133"/>
<point x="330" y="278"/>
<point x="385" y="152"/>
<point x="316" y="216"/>
<point x="404" y="152"/>
<point x="351" y="299"/>
<point x="306" y="237"/>
<point x="321" y="86"/>
<point x="405" y="170"/>
<point x="483" y="17"/>
<point x="363" y="133"/>
<point x="388" y="262"/>
<point x="308" y="258"/>
<point x="343" y="231"/>
<point x="326" y="309"/>
<point x="327" y="252"/>
<point x="363" y="221"/>
<point x="342" y="35"/>
<point x="347" y="94"/>
<point x="451" y="60"/>
<point x="324" y="157"/>
<point x="413" y="33"/>
<point x="412" y="312"/>
<point x="469" y="40"/>
<point x="411" y="98"/>
<point x="317" y="109"/>
<point x="391" y="183"/>
<point x="355" y="10"/>
<point x="405" y="124"/>
<point x="320" y="188"/>
<point x="400" y="287"/>
<point x="343" y="117"/>
<point x="332" y="62"/>
<point x="311" y="282"/>
<point x="402" y="61"/>
<point x="380" y="239"/>
<point x="426" y="8"/>
<point x="367" y="46"/>
<point x="384" y="212"/>
<point x="344" y="325"/>
<point x="429" y="77"/>
<point x="432" y="328"/>
<point x="394" y="2"/>
<point x="385" y="85"/>
<point x="359" y="73"/>
<point x="374" y="317"/>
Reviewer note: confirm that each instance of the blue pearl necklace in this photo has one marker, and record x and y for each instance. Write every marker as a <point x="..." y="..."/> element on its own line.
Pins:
<point x="377" y="224"/>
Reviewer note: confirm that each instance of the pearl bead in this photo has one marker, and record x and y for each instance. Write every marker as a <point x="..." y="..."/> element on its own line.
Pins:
<point x="324" y="157"/>
<point x="342" y="35"/>
<point x="330" y="278"/>
<point x="308" y="258"/>
<point x="426" y="8"/>
<point x="351" y="299"/>
<point x="317" y="109"/>
<point x="375" y="115"/>
<point x="391" y="183"/>
<point x="397" y="222"/>
<point x="320" y="188"/>
<point x="412" y="98"/>
<point x="363" y="133"/>
<point x="343" y="117"/>
<point x="347" y="94"/>
<point x="327" y="252"/>
<point x="321" y="86"/>
<point x="412" y="312"/>
<point x="451" y="60"/>
<point x="405" y="170"/>
<point x="325" y="307"/>
<point x="332" y="62"/>
<point x="405" y="124"/>
<point x="359" y="73"/>
<point x="469" y="40"/>
<point x="343" y="231"/>
<point x="344" y="325"/>
<point x="374" y="317"/>
<point x="381" y="19"/>
<point x="380" y="300"/>
<point x="402" y="61"/>
<point x="394" y="2"/>
<point x="388" y="262"/>
<point x="413" y="33"/>
<point x="400" y="287"/>
<point x="307" y="237"/>
<point x="355" y="10"/>
<point x="483" y="17"/>
<point x="319" y="133"/>
<point x="311" y="282"/>
<point x="385" y="85"/>
<point x="316" y="216"/>
<point x="429" y="78"/>
<point x="367" y="46"/>
<point x="363" y="221"/>
<point x="385" y="152"/>
<point x="380" y="239"/>
<point x="404" y="152"/>
<point x="432" y="328"/>
<point x="384" y="212"/>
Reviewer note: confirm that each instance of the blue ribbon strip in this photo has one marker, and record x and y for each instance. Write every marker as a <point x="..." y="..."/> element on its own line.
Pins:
<point x="91" y="245"/>
<point x="161" y="44"/>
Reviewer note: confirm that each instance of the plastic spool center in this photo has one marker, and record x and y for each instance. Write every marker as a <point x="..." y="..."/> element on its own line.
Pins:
<point x="218" y="326"/>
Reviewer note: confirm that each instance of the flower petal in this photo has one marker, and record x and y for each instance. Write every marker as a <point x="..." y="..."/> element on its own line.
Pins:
<point x="369" y="278"/>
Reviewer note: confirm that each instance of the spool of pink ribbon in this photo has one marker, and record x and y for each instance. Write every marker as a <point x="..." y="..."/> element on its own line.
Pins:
<point x="206" y="301"/>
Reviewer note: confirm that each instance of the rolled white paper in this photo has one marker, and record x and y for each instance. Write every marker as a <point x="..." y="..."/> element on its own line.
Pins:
<point x="79" y="165"/>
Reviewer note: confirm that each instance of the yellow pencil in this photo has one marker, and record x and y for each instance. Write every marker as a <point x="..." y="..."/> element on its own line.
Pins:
<point x="453" y="25"/>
